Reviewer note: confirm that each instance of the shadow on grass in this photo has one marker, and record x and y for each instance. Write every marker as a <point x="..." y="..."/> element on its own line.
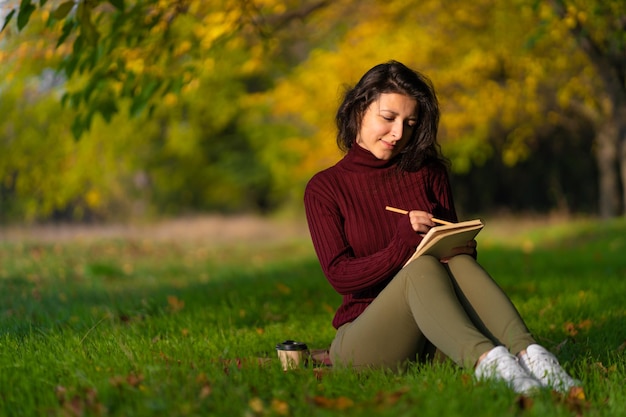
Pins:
<point x="576" y="281"/>
<point x="239" y="297"/>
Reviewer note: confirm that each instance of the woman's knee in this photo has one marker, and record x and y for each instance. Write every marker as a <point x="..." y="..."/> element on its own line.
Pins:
<point x="425" y="263"/>
<point x="462" y="260"/>
<point x="425" y="266"/>
<point x="423" y="271"/>
<point x="464" y="268"/>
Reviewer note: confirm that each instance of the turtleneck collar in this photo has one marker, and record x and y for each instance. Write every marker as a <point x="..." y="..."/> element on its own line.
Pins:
<point x="360" y="159"/>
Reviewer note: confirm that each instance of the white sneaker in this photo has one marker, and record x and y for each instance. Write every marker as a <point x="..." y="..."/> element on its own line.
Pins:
<point x="545" y="367"/>
<point x="501" y="365"/>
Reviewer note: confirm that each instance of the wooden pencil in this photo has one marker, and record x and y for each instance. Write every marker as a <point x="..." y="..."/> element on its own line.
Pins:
<point x="401" y="211"/>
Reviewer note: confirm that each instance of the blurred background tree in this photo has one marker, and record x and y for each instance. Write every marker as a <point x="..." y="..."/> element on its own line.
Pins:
<point x="189" y="106"/>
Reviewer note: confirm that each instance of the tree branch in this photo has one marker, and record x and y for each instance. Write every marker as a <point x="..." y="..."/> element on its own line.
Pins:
<point x="610" y="67"/>
<point x="278" y="21"/>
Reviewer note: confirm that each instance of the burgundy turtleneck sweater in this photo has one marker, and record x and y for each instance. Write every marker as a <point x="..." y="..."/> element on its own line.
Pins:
<point x="360" y="245"/>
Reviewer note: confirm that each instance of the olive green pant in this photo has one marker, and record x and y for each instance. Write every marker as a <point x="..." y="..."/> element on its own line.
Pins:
<point x="455" y="307"/>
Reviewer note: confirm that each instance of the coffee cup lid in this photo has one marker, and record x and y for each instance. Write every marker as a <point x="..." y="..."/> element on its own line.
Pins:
<point x="291" y="345"/>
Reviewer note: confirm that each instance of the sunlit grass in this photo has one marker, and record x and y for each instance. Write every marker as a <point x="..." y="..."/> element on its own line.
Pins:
<point x="140" y="327"/>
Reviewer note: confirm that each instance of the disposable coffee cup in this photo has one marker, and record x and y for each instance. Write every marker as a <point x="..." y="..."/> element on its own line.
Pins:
<point x="292" y="354"/>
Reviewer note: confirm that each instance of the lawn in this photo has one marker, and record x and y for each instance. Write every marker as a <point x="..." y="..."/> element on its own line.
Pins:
<point x="130" y="325"/>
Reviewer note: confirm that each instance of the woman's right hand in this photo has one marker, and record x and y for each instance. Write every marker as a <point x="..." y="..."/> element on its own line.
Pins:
<point x="421" y="221"/>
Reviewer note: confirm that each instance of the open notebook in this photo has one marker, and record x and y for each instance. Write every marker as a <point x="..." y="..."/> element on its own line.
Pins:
<point x="440" y="240"/>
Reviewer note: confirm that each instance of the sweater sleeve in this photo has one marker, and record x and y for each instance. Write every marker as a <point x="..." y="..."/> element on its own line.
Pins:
<point x="347" y="273"/>
<point x="442" y="194"/>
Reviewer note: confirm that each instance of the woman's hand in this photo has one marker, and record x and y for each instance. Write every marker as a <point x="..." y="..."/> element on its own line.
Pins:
<point x="469" y="249"/>
<point x="421" y="221"/>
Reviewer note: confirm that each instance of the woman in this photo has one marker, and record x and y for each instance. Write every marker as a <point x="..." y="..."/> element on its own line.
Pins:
<point x="390" y="315"/>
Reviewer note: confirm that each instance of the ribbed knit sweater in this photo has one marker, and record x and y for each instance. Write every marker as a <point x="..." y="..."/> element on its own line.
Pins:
<point x="359" y="244"/>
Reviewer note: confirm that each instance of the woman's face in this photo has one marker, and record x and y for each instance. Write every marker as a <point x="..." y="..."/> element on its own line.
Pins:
<point x="387" y="125"/>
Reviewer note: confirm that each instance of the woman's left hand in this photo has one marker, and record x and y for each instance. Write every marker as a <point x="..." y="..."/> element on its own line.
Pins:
<point x="469" y="249"/>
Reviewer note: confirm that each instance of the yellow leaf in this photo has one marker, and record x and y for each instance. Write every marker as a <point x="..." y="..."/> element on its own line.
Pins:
<point x="570" y="328"/>
<point x="282" y="288"/>
<point x="328" y="308"/>
<point x="585" y="324"/>
<point x="205" y="391"/>
<point x="256" y="404"/>
<point x="577" y="393"/>
<point x="340" y="403"/>
<point x="280" y="407"/>
<point x="174" y="303"/>
<point x="390" y="398"/>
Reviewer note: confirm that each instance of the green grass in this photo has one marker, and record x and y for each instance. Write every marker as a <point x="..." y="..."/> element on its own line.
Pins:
<point x="135" y="327"/>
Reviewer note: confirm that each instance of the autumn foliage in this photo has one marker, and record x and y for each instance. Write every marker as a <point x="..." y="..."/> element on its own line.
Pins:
<point x="121" y="108"/>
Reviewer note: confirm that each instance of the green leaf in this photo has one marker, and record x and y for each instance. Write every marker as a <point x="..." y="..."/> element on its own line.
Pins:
<point x="139" y="103"/>
<point x="7" y="19"/>
<point x="68" y="27"/>
<point x="87" y="29"/>
<point x="63" y="10"/>
<point x="107" y="108"/>
<point x="141" y="100"/>
<point x="119" y="4"/>
<point x="94" y="84"/>
<point x="42" y="3"/>
<point x="69" y="65"/>
<point x="75" y="99"/>
<point x="81" y="124"/>
<point x="177" y="85"/>
<point x="26" y="9"/>
<point x="90" y="31"/>
<point x="78" y="127"/>
<point x="78" y="45"/>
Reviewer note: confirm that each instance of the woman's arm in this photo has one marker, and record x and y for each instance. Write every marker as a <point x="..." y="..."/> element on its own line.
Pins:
<point x="347" y="273"/>
<point x="442" y="190"/>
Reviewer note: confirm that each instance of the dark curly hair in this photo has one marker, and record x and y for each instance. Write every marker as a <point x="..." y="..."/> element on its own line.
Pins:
<point x="393" y="77"/>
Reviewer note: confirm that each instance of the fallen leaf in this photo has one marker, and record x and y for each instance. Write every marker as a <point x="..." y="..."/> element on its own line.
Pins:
<point x="466" y="379"/>
<point x="75" y="406"/>
<point x="577" y="394"/>
<point x="524" y="403"/>
<point x="390" y="398"/>
<point x="84" y="401"/>
<point x="576" y="402"/>
<point x="134" y="380"/>
<point x="328" y="308"/>
<point x="601" y="367"/>
<point x="205" y="391"/>
<point x="280" y="407"/>
<point x="174" y="303"/>
<point x="340" y="403"/>
<point x="256" y="405"/>
<point x="320" y="373"/>
<point x="570" y="328"/>
<point x="117" y="381"/>
<point x="584" y="325"/>
<point x="283" y="289"/>
<point x="60" y="392"/>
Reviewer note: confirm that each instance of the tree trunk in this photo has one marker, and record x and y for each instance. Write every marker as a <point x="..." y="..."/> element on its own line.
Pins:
<point x="610" y="65"/>
<point x="607" y="161"/>
<point x="621" y="120"/>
